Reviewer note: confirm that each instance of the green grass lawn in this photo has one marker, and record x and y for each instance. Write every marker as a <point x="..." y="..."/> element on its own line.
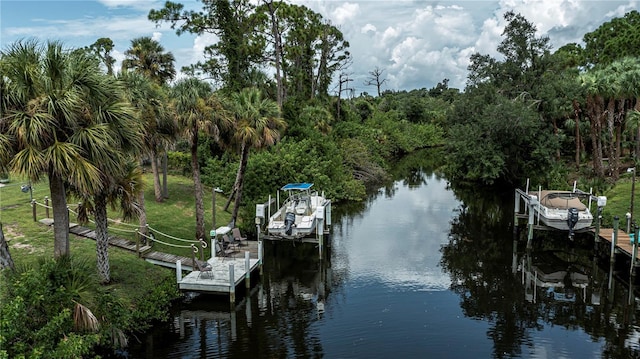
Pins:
<point x="175" y="217"/>
<point x="619" y="202"/>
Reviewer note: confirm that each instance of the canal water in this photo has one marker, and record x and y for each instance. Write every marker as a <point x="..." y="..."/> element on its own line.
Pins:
<point x="419" y="270"/>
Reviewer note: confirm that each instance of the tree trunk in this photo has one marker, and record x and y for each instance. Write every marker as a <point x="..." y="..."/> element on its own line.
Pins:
<point x="593" y="111"/>
<point x="610" y="130"/>
<point x="277" y="44"/>
<point x="5" y="256"/>
<point x="244" y="156"/>
<point x="555" y="133"/>
<point x="102" y="239"/>
<point x="60" y="216"/>
<point x="231" y="194"/>
<point x="197" y="188"/>
<point x="156" y="177"/>
<point x="143" y="217"/>
<point x="165" y="189"/>
<point x="576" y="111"/>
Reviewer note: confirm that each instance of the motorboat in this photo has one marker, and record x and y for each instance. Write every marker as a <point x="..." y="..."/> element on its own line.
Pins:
<point x="563" y="210"/>
<point x="303" y="213"/>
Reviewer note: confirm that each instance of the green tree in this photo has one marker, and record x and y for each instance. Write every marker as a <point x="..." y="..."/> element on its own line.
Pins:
<point x="257" y="126"/>
<point x="102" y="48"/>
<point x="149" y="58"/>
<point x="496" y="140"/>
<point x="232" y="57"/>
<point x="197" y="110"/>
<point x="52" y="99"/>
<point x="122" y="187"/>
<point x="613" y="40"/>
<point x="523" y="64"/>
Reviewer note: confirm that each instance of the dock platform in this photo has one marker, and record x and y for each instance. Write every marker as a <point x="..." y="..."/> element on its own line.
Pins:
<point x="225" y="276"/>
<point x="227" y="272"/>
<point x="623" y="242"/>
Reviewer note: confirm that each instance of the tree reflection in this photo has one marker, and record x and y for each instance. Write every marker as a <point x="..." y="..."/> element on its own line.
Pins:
<point x="557" y="283"/>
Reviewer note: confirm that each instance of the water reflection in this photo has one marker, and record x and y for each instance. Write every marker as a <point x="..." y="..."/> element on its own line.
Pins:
<point x="423" y="268"/>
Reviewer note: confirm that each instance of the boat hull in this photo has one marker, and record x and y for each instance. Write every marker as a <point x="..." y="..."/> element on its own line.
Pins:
<point x="558" y="219"/>
<point x="304" y="225"/>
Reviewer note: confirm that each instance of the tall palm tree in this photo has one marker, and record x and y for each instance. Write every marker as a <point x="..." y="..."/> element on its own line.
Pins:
<point x="147" y="57"/>
<point x="160" y="128"/>
<point x="257" y="125"/>
<point x="51" y="98"/>
<point x="195" y="109"/>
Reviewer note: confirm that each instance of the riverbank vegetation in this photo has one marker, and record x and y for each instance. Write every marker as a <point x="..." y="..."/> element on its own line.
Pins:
<point x="74" y="123"/>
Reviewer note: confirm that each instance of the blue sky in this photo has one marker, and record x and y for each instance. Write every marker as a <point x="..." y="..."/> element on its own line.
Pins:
<point x="416" y="43"/>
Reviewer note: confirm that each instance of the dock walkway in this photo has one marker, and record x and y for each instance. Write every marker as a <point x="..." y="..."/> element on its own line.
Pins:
<point x="623" y="242"/>
<point x="225" y="270"/>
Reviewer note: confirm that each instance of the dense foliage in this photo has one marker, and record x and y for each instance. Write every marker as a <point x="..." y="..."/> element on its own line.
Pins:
<point x="57" y="309"/>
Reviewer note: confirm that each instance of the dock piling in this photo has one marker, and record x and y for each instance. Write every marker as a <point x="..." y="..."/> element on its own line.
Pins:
<point x="179" y="271"/>
<point x="247" y="269"/>
<point x="46" y="206"/>
<point x="614" y="239"/>
<point x="232" y="285"/>
<point x="632" y="271"/>
<point x="533" y="202"/>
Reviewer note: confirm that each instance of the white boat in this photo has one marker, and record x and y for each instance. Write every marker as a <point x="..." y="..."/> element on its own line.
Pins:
<point x="304" y="213"/>
<point x="563" y="210"/>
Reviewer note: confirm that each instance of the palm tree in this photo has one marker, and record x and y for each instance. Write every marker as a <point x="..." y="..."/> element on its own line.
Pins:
<point x="196" y="109"/>
<point x="147" y="57"/>
<point x="257" y="125"/>
<point x="160" y="128"/>
<point x="121" y="190"/>
<point x="51" y="99"/>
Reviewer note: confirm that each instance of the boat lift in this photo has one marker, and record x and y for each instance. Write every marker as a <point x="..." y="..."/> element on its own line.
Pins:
<point x="531" y="201"/>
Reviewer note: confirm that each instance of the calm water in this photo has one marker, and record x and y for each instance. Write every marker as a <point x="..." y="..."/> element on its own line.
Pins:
<point x="418" y="271"/>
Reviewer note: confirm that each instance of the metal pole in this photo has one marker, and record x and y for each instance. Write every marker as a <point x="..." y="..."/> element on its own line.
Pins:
<point x="33" y="209"/>
<point x="46" y="205"/>
<point x="213" y="208"/>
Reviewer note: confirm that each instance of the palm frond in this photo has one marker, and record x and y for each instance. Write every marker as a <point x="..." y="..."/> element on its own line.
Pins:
<point x="84" y="319"/>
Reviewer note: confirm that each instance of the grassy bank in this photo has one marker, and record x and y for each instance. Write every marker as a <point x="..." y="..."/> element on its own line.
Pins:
<point x="619" y="201"/>
<point x="142" y="289"/>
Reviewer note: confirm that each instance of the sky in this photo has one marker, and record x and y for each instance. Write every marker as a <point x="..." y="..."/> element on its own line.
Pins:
<point x="416" y="44"/>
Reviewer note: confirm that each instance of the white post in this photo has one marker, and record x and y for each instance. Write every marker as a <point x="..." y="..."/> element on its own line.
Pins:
<point x="247" y="268"/>
<point x="232" y="284"/>
<point x="179" y="271"/>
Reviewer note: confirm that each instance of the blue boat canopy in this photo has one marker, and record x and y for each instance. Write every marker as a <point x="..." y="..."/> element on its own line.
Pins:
<point x="296" y="186"/>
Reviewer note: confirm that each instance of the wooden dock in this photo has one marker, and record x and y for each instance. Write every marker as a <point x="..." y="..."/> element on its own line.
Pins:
<point x="623" y="243"/>
<point x="223" y="278"/>
<point x="226" y="274"/>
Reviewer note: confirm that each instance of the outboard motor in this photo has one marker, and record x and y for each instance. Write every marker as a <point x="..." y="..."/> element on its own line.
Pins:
<point x="289" y="220"/>
<point x="572" y="220"/>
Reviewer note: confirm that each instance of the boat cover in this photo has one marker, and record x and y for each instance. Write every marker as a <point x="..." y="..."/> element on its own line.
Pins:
<point x="296" y="186"/>
<point x="561" y="200"/>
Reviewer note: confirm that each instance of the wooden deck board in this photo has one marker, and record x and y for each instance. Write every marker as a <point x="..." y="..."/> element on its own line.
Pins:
<point x="623" y="242"/>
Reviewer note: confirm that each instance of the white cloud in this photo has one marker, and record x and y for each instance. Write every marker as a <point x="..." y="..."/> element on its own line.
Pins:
<point x="156" y="36"/>
<point x="368" y="28"/>
<point x="345" y="12"/>
<point x="416" y="44"/>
